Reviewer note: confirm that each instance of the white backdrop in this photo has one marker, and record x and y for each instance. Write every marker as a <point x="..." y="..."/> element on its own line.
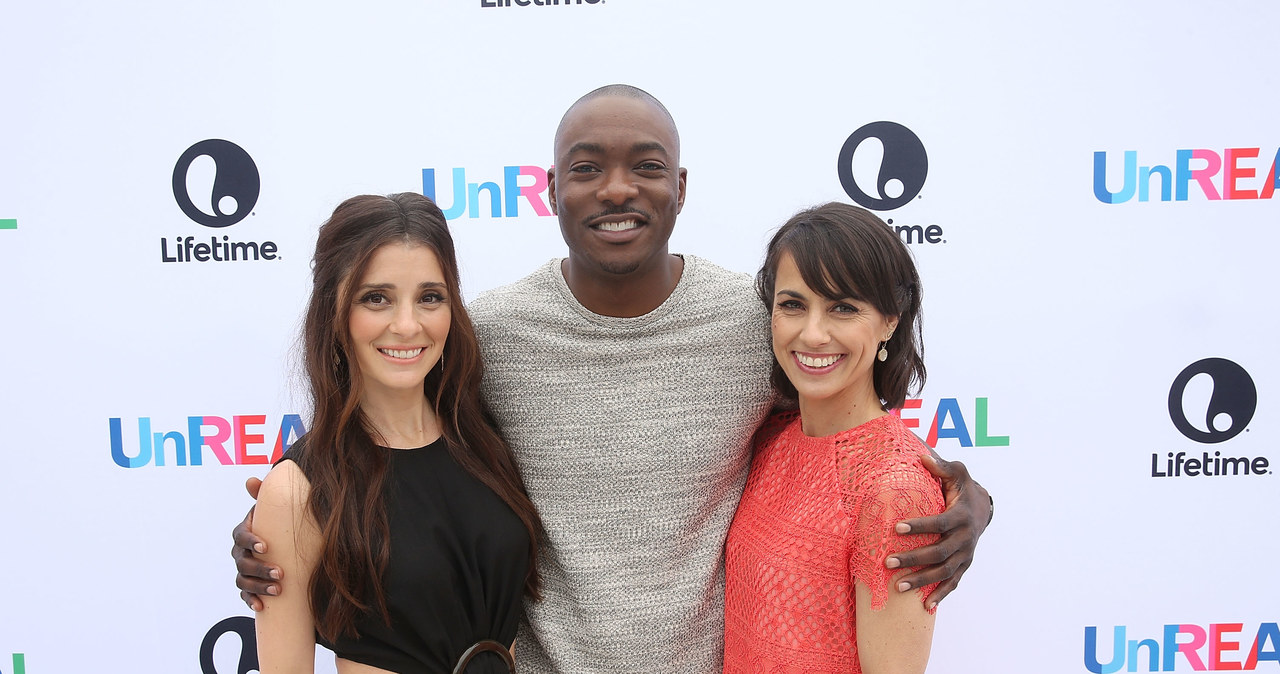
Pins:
<point x="1068" y="317"/>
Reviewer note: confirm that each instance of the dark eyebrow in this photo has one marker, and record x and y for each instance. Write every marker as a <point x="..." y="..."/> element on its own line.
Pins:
<point x="593" y="148"/>
<point x="790" y="293"/>
<point x="648" y="146"/>
<point x="391" y="286"/>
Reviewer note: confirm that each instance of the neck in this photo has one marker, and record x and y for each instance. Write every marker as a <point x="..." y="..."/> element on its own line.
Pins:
<point x="634" y="293"/>
<point x="828" y="416"/>
<point x="404" y="420"/>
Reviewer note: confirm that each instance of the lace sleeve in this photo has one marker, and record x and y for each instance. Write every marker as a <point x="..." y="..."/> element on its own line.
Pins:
<point x="878" y="491"/>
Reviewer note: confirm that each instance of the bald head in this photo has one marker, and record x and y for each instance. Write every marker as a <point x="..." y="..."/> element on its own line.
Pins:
<point x="620" y="91"/>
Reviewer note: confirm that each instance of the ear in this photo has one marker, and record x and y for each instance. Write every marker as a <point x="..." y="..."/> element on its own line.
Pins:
<point x="684" y="175"/>
<point x="551" y="189"/>
<point x="892" y="324"/>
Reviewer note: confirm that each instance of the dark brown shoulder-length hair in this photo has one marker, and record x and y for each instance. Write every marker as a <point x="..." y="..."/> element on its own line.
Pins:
<point x="843" y="251"/>
<point x="346" y="471"/>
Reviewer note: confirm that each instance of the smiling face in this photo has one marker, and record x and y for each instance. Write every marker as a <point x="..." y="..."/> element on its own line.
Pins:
<point x="399" y="319"/>
<point x="617" y="185"/>
<point x="827" y="347"/>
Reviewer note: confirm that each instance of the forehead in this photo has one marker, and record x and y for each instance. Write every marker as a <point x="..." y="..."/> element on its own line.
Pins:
<point x="403" y="261"/>
<point x="615" y="121"/>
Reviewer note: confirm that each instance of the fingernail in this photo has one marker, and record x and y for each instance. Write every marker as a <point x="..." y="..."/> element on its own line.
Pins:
<point x="902" y="528"/>
<point x="273" y="590"/>
<point x="933" y="605"/>
<point x="275" y="574"/>
<point x="903" y="587"/>
<point x="893" y="563"/>
<point x="259" y="548"/>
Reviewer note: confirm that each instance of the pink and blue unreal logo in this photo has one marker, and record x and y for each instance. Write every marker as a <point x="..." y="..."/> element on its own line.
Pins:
<point x="947" y="420"/>
<point x="239" y="440"/>
<point x="496" y="199"/>
<point x="1216" y="647"/>
<point x="1236" y="173"/>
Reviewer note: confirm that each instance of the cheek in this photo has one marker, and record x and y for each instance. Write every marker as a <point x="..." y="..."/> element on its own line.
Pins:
<point x="778" y="334"/>
<point x="440" y="323"/>
<point x="361" y="325"/>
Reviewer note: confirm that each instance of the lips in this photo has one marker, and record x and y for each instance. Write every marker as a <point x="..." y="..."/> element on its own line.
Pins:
<point x="403" y="354"/>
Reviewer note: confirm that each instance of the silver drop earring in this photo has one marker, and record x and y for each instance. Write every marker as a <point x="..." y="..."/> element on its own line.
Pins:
<point x="884" y="350"/>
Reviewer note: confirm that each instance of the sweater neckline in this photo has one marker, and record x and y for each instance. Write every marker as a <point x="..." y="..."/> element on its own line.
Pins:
<point x="628" y="322"/>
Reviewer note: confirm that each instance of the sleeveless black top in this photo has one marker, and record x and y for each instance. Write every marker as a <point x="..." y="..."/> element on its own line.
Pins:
<point x="459" y="557"/>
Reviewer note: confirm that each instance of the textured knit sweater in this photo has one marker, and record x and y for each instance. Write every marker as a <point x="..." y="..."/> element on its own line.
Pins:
<point x="633" y="437"/>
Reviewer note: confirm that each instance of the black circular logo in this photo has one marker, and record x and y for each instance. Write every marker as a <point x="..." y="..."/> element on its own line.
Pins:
<point x="243" y="627"/>
<point x="1232" y="401"/>
<point x="235" y="184"/>
<point x="902" y="169"/>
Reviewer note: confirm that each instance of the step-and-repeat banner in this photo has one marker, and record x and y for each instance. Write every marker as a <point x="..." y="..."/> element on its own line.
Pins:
<point x="1089" y="189"/>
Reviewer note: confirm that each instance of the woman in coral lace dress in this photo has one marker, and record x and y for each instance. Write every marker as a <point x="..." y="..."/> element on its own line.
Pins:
<point x="806" y="588"/>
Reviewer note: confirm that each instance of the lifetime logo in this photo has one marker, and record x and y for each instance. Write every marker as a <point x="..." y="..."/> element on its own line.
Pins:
<point x="221" y="191"/>
<point x="241" y="626"/>
<point x="1211" y="401"/>
<point x="1236" y="167"/>
<point x="900" y="164"/>
<point x="503" y="200"/>
<point x="537" y="3"/>
<point x="230" y="441"/>
<point x="949" y="422"/>
<point x="1212" y="648"/>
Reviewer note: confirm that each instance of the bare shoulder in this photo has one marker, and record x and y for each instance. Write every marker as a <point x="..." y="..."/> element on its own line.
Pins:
<point x="282" y="505"/>
<point x="284" y="485"/>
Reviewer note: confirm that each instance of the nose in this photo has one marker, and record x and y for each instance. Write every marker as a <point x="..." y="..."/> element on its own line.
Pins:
<point x="815" y="331"/>
<point x="618" y="187"/>
<point x="404" y="322"/>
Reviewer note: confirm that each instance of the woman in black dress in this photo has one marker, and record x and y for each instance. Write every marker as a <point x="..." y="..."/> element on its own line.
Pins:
<point x="402" y="530"/>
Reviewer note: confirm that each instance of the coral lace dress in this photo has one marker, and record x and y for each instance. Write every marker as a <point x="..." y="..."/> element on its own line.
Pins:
<point x="817" y="516"/>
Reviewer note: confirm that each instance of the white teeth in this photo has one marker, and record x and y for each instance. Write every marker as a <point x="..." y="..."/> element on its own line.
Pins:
<point x="402" y="353"/>
<point x="816" y="362"/>
<point x="617" y="226"/>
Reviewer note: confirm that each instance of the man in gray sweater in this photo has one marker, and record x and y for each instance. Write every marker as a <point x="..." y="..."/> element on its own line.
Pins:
<point x="629" y="382"/>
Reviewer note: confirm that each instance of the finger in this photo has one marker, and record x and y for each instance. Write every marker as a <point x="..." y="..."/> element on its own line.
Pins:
<point x="251" y="600"/>
<point x="930" y="555"/>
<point x="939" y="593"/>
<point x="245" y="539"/>
<point x="256" y="586"/>
<point x="251" y="567"/>
<point x="252" y="485"/>
<point x="934" y="524"/>
<point x="942" y="573"/>
<point x="933" y="462"/>
<point x="954" y="471"/>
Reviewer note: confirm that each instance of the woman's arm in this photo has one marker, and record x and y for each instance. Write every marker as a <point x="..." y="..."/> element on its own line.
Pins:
<point x="894" y="629"/>
<point x="896" y="638"/>
<point x="286" y="629"/>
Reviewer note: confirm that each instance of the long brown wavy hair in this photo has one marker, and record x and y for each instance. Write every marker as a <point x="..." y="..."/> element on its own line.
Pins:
<point x="340" y="456"/>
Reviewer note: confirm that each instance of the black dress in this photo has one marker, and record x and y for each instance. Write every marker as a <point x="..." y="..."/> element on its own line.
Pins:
<point x="459" y="557"/>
